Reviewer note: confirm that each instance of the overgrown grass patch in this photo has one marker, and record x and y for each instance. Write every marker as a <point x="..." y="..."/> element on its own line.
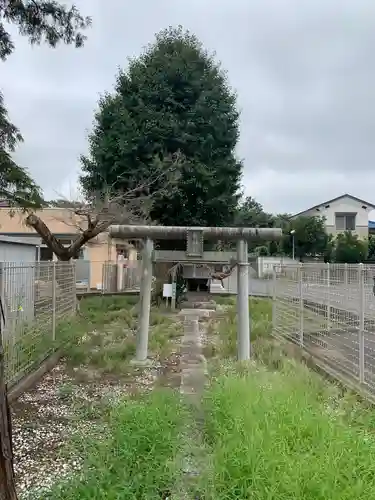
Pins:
<point x="280" y="435"/>
<point x="110" y="338"/>
<point x="223" y="331"/>
<point x="136" y="458"/>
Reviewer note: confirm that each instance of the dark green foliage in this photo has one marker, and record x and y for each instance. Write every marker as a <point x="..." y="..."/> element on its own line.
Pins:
<point x="38" y="20"/>
<point x="16" y="185"/>
<point x="310" y="237"/>
<point x="250" y="213"/>
<point x="173" y="98"/>
<point x="371" y="247"/>
<point x="349" y="248"/>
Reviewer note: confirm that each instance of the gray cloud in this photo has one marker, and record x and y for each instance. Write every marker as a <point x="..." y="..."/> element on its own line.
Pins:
<point x="304" y="73"/>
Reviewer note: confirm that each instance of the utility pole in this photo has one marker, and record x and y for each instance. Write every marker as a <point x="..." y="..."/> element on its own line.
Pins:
<point x="7" y="482"/>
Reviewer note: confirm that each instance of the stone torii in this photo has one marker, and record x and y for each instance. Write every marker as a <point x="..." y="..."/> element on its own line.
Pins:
<point x="195" y="237"/>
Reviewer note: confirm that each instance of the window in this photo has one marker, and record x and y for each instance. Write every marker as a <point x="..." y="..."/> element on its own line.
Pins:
<point x="345" y="222"/>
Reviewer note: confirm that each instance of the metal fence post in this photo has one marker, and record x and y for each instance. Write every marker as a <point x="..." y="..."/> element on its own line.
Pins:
<point x="328" y="283"/>
<point x="361" y="329"/>
<point x="300" y="280"/>
<point x="346" y="274"/>
<point x="54" y="301"/>
<point x="74" y="285"/>
<point x="274" y="295"/>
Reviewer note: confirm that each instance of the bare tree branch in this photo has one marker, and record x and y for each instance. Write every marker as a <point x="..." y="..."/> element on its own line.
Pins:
<point x="108" y="207"/>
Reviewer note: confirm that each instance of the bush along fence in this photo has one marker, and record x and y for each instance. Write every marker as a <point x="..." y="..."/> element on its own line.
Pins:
<point x="329" y="311"/>
<point x="39" y="299"/>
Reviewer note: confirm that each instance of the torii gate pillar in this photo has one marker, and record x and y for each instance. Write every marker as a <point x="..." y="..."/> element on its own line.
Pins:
<point x="195" y="237"/>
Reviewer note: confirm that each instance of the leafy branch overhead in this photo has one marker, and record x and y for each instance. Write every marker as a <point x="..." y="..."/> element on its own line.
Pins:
<point x="39" y="21"/>
<point x="16" y="185"/>
<point x="102" y="209"/>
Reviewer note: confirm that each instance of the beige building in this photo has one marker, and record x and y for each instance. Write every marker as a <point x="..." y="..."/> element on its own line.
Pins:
<point x="344" y="213"/>
<point x="64" y="224"/>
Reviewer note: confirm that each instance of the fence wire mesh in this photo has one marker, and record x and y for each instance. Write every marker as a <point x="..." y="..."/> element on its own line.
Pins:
<point x="37" y="299"/>
<point x="329" y="310"/>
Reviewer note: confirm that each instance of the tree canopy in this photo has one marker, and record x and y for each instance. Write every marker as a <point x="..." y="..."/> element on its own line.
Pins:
<point x="174" y="97"/>
<point x="250" y="213"/>
<point x="350" y="249"/>
<point x="39" y="21"/>
<point x="310" y="237"/>
<point x="16" y="185"/>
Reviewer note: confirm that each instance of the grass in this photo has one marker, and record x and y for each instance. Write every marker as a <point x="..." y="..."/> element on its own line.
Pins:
<point x="279" y="435"/>
<point x="271" y="429"/>
<point x="101" y="336"/>
<point x="109" y="339"/>
<point x="136" y="459"/>
<point x="223" y="331"/>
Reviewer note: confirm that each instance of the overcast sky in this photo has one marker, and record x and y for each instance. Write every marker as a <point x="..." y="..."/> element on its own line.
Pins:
<point x="304" y="72"/>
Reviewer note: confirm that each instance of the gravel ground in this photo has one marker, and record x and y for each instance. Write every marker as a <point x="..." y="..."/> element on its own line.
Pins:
<point x="63" y="405"/>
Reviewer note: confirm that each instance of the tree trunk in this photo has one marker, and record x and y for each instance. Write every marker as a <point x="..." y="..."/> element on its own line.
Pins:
<point x="7" y="482"/>
<point x="49" y="239"/>
<point x="66" y="253"/>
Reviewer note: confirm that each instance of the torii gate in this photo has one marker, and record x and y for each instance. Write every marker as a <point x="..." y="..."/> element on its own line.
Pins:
<point x="195" y="237"/>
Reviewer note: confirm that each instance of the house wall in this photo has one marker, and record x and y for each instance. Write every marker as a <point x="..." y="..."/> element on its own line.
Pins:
<point x="64" y="222"/>
<point x="59" y="221"/>
<point x="343" y="205"/>
<point x="100" y="250"/>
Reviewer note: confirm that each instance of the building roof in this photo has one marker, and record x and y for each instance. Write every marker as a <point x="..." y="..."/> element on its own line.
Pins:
<point x="346" y="195"/>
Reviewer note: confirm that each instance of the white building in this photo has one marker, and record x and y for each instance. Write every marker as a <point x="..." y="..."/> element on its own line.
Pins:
<point x="344" y="213"/>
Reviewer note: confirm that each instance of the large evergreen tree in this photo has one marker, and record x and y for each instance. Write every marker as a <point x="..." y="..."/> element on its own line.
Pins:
<point x="174" y="97"/>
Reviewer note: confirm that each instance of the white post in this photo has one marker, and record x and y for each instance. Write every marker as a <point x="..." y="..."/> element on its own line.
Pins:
<point x="300" y="281"/>
<point x="54" y="300"/>
<point x="346" y="274"/>
<point x="243" y="327"/>
<point x="328" y="288"/>
<point x="361" y="330"/>
<point x="293" y="247"/>
<point x="274" y="296"/>
<point x="145" y="302"/>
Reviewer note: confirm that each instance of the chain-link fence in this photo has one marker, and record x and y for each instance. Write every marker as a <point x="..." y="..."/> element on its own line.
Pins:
<point x="38" y="299"/>
<point x="329" y="310"/>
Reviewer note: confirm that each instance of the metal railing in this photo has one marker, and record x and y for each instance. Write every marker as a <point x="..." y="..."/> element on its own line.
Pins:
<point x="329" y="310"/>
<point x="38" y="299"/>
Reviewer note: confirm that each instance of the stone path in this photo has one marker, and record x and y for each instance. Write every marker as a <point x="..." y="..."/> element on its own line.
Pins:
<point x="193" y="379"/>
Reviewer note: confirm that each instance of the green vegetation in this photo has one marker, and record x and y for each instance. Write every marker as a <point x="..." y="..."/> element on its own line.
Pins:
<point x="137" y="456"/>
<point x="274" y="429"/>
<point x="101" y="336"/>
<point x="109" y="341"/>
<point x="193" y="114"/>
<point x="349" y="248"/>
<point x="223" y="331"/>
<point x="270" y="429"/>
<point x="50" y="22"/>
<point x="283" y="435"/>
